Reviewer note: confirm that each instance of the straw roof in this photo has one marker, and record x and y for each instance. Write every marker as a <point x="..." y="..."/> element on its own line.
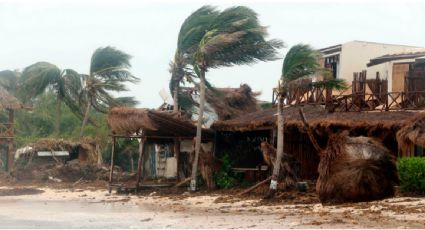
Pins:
<point x="233" y="102"/>
<point x="130" y="121"/>
<point x="412" y="133"/>
<point x="8" y="101"/>
<point x="318" y="118"/>
<point x="228" y="103"/>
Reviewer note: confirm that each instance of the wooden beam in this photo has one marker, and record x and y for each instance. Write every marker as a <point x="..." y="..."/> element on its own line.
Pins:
<point x="140" y="162"/>
<point x="111" y="171"/>
<point x="177" y="155"/>
<point x="10" y="158"/>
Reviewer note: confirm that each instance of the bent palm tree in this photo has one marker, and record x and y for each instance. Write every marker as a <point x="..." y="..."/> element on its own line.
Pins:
<point x="9" y="80"/>
<point x="301" y="61"/>
<point x="108" y="73"/>
<point x="191" y="32"/>
<point x="65" y="83"/>
<point x="235" y="37"/>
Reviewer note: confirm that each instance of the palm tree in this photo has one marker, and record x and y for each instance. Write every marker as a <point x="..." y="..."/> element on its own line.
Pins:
<point x="235" y="37"/>
<point x="66" y="84"/>
<point x="109" y="71"/>
<point x="9" y="80"/>
<point x="191" y="32"/>
<point x="301" y="61"/>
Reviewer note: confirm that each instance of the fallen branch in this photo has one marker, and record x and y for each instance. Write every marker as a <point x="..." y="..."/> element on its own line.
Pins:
<point x="254" y="186"/>
<point x="182" y="182"/>
<point x="78" y="181"/>
<point x="310" y="133"/>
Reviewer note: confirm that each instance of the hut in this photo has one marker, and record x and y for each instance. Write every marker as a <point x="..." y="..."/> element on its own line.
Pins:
<point x="165" y="141"/>
<point x="242" y="136"/>
<point x="411" y="138"/>
<point x="8" y="104"/>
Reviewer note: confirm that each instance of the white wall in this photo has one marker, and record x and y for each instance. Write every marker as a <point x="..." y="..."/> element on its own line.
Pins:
<point x="356" y="54"/>
<point x="385" y="71"/>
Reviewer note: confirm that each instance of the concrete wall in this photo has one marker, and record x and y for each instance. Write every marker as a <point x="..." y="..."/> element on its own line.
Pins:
<point x="356" y="54"/>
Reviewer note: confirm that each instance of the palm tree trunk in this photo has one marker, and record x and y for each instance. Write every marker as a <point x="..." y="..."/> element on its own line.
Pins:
<point x="176" y="98"/>
<point x="198" y="131"/>
<point x="279" y="152"/>
<point x="86" y="118"/>
<point x="58" y="116"/>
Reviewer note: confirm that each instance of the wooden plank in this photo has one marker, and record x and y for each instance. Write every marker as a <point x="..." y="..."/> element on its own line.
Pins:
<point x="111" y="171"/>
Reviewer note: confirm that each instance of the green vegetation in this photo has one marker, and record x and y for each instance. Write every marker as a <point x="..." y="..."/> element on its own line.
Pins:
<point x="412" y="174"/>
<point x="226" y="178"/>
<point x="44" y="87"/>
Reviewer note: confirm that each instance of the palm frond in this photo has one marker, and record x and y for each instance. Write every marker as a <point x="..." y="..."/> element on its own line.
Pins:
<point x="195" y="27"/>
<point x="9" y="80"/>
<point x="338" y="84"/>
<point x="111" y="63"/>
<point x="301" y="60"/>
<point x="37" y="77"/>
<point x="235" y="38"/>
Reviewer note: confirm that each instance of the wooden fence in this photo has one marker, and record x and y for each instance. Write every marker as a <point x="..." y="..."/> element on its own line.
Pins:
<point x="367" y="95"/>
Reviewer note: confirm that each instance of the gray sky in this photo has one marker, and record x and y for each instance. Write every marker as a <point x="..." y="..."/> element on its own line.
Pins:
<point x="66" y="33"/>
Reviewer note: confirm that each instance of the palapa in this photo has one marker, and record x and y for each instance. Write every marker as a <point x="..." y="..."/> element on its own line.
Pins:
<point x="413" y="133"/>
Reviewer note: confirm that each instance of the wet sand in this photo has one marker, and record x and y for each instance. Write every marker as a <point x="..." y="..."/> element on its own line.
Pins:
<point x="62" y="208"/>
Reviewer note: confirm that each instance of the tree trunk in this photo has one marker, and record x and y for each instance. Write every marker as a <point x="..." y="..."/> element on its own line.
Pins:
<point x="86" y="118"/>
<point x="198" y="131"/>
<point x="279" y="152"/>
<point x="58" y="116"/>
<point x="176" y="98"/>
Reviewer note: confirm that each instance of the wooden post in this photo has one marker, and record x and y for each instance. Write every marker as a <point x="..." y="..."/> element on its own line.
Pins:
<point x="10" y="158"/>
<point x="140" y="162"/>
<point x="111" y="171"/>
<point x="177" y="155"/>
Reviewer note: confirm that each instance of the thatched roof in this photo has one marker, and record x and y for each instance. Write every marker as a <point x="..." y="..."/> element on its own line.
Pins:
<point x="412" y="133"/>
<point x="233" y="102"/>
<point x="229" y="103"/>
<point x="130" y="121"/>
<point x="8" y="101"/>
<point x="317" y="117"/>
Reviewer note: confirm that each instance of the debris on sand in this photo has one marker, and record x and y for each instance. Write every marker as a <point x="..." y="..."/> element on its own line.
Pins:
<point x="353" y="169"/>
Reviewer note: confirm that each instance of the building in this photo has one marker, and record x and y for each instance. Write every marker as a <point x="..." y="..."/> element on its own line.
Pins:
<point x="396" y="66"/>
<point x="345" y="59"/>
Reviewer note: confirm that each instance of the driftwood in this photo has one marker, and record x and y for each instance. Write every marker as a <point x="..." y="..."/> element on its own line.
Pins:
<point x="182" y="182"/>
<point x="353" y="169"/>
<point x="254" y="186"/>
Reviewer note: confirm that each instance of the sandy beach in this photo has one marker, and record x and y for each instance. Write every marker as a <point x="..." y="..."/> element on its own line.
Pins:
<point x="31" y="207"/>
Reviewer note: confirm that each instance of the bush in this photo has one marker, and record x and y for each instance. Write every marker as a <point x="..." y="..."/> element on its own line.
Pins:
<point x="412" y="174"/>
<point x="226" y="178"/>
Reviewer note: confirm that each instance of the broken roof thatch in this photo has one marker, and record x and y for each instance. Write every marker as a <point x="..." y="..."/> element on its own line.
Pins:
<point x="412" y="133"/>
<point x="230" y="103"/>
<point x="8" y="101"/>
<point x="317" y="117"/>
<point x="130" y="121"/>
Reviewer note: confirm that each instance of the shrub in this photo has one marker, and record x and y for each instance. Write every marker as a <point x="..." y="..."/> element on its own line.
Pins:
<point x="226" y="178"/>
<point x="412" y="174"/>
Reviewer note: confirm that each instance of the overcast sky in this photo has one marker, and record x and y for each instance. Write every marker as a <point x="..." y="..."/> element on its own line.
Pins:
<point x="66" y="33"/>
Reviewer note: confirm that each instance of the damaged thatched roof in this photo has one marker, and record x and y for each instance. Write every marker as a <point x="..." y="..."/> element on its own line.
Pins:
<point x="8" y="101"/>
<point x="229" y="103"/>
<point x="129" y="121"/>
<point x="317" y="117"/>
<point x="412" y="133"/>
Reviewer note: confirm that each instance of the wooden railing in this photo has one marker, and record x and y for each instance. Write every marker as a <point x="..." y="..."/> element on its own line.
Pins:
<point x="384" y="102"/>
<point x="6" y="130"/>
